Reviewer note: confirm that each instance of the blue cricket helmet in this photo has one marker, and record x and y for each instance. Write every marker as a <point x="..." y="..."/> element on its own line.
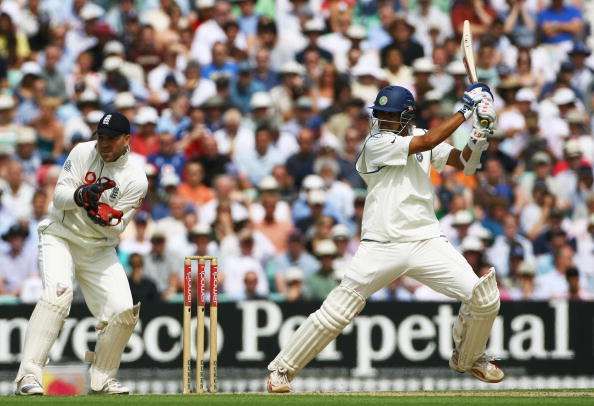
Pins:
<point x="393" y="99"/>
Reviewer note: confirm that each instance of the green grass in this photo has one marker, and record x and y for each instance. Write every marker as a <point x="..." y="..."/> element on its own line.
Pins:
<point x="507" y="398"/>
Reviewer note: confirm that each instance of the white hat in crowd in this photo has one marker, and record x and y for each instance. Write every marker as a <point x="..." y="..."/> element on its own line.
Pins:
<point x="112" y="63"/>
<point x="90" y="11"/>
<point x="6" y="101"/>
<point x="292" y="67"/>
<point x="563" y="96"/>
<point x="316" y="196"/>
<point x="456" y="68"/>
<point x="423" y="65"/>
<point x="146" y="115"/>
<point x="325" y="247"/>
<point x="340" y="231"/>
<point x="471" y="243"/>
<point x="462" y="218"/>
<point x="260" y="100"/>
<point x="311" y="182"/>
<point x="268" y="183"/>
<point x="293" y="274"/>
<point x="124" y="100"/>
<point x="113" y="47"/>
<point x="525" y="94"/>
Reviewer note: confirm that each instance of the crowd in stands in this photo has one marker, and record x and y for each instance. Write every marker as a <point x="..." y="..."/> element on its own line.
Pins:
<point x="248" y="116"/>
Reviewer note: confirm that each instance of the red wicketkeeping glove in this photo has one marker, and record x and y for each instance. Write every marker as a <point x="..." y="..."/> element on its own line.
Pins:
<point x="105" y="215"/>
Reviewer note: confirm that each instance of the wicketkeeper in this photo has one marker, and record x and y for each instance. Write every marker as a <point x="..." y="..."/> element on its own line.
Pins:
<point x="97" y="193"/>
<point x="401" y="235"/>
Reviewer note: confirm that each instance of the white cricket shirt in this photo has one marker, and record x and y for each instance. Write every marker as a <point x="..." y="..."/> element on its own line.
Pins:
<point x="85" y="165"/>
<point x="399" y="203"/>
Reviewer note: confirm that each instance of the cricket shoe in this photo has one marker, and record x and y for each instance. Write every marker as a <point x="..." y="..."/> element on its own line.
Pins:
<point x="278" y="382"/>
<point x="28" y="385"/>
<point x="112" y="387"/>
<point x="483" y="369"/>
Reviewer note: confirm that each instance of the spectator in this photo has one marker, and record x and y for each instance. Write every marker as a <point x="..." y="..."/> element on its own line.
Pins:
<point x="341" y="237"/>
<point x="16" y="193"/>
<point x="143" y="289"/>
<point x="554" y="284"/>
<point x="193" y="188"/>
<point x="138" y="242"/>
<point x="560" y="23"/>
<point x="250" y="282"/>
<point x="324" y="280"/>
<point x="236" y="267"/>
<point x="575" y="291"/>
<point x="161" y="266"/>
<point x="201" y="238"/>
<point x="17" y="263"/>
<point x="145" y="141"/>
<point x="312" y="30"/>
<point x="258" y="161"/>
<point x="524" y="288"/>
<point x="503" y="248"/>
<point x="472" y="250"/>
<point x="401" y="33"/>
<point x="294" y="280"/>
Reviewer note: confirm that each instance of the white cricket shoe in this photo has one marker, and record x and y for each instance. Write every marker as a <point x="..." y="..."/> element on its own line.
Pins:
<point x="483" y="369"/>
<point x="278" y="382"/>
<point x="112" y="387"/>
<point x="28" y="385"/>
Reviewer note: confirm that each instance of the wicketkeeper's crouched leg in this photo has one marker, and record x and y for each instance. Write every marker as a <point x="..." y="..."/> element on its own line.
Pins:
<point x="44" y="326"/>
<point x="318" y="330"/>
<point x="113" y="337"/>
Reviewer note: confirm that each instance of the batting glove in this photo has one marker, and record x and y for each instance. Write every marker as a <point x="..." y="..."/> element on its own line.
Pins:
<point x="485" y="115"/>
<point x="472" y="97"/>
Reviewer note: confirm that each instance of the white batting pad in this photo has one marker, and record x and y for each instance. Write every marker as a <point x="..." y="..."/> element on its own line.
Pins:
<point x="473" y="326"/>
<point x="44" y="326"/>
<point x="110" y="346"/>
<point x="321" y="327"/>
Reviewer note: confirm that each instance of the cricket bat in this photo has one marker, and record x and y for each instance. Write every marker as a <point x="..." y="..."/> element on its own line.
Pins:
<point x="468" y="59"/>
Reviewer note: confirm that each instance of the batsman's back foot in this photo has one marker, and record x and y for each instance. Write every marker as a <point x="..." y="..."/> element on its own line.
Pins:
<point x="278" y="382"/>
<point x="111" y="387"/>
<point x="483" y="369"/>
<point x="29" y="386"/>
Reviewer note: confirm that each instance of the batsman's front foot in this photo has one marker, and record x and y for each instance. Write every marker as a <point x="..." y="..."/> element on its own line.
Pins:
<point x="112" y="387"/>
<point x="278" y="382"/>
<point x="483" y="369"/>
<point x="28" y="386"/>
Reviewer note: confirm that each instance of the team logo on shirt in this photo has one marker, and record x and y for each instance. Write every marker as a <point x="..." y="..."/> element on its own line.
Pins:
<point x="90" y="177"/>
<point x="419" y="157"/>
<point x="114" y="193"/>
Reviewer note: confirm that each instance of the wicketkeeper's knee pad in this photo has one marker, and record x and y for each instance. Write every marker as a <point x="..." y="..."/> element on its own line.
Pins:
<point x="113" y="337"/>
<point x="44" y="327"/>
<point x="321" y="327"/>
<point x="473" y="326"/>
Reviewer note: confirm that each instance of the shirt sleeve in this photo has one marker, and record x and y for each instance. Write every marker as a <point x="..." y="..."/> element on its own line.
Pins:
<point x="440" y="155"/>
<point x="70" y="178"/>
<point x="385" y="150"/>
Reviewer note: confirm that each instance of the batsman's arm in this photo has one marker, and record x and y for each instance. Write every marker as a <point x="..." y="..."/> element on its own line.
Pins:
<point x="69" y="179"/>
<point x="436" y="135"/>
<point x="454" y="157"/>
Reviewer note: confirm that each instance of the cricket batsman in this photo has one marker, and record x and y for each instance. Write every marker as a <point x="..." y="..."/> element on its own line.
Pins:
<point x="401" y="235"/>
<point x="97" y="193"/>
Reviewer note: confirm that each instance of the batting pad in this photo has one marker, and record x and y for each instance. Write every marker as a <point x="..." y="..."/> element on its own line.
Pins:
<point x="112" y="340"/>
<point x="319" y="329"/>
<point x="473" y="326"/>
<point x="44" y="326"/>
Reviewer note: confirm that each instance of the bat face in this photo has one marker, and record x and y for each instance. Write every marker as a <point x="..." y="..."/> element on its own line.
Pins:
<point x="468" y="53"/>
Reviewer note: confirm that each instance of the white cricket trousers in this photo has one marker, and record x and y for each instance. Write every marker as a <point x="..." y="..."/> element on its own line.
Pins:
<point x="433" y="262"/>
<point x="100" y="275"/>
